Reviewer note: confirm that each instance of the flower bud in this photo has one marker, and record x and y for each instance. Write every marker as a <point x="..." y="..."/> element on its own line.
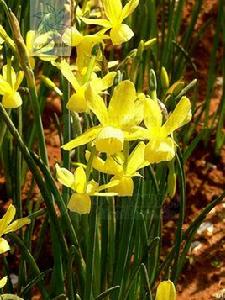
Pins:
<point x="166" y="291"/>
<point x="49" y="83"/>
<point x="165" y="78"/>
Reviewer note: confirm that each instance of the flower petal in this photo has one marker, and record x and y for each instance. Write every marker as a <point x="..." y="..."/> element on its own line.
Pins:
<point x="80" y="180"/>
<point x="110" y="166"/>
<point x="30" y="37"/>
<point x="72" y="37"/>
<point x="3" y="282"/>
<point x="120" y="34"/>
<point x="129" y="8"/>
<point x="83" y="139"/>
<point x="139" y="106"/>
<point x="68" y="74"/>
<point x="137" y="133"/>
<point x="179" y="116"/>
<point x="135" y="160"/>
<point x="107" y="80"/>
<point x="105" y="194"/>
<point x="102" y="22"/>
<point x="96" y="104"/>
<point x="113" y="10"/>
<point x="9" y="72"/>
<point x="5" y="87"/>
<point x="64" y="176"/>
<point x="17" y="224"/>
<point x="80" y="203"/>
<point x="92" y="187"/>
<point x="84" y="49"/>
<point x="4" y="246"/>
<point x="152" y="114"/>
<point x="7" y="218"/>
<point x="19" y="79"/>
<point x="112" y="183"/>
<point x="121" y="106"/>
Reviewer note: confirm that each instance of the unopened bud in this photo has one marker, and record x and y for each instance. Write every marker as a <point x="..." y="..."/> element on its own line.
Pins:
<point x="166" y="291"/>
<point x="49" y="83"/>
<point x="176" y="88"/>
<point x="164" y="78"/>
<point x="150" y="43"/>
<point x="141" y="48"/>
<point x="172" y="180"/>
<point x="22" y="51"/>
<point x="153" y="85"/>
<point x="6" y="38"/>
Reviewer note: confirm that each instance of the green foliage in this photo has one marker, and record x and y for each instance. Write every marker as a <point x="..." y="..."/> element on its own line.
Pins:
<point x="115" y="252"/>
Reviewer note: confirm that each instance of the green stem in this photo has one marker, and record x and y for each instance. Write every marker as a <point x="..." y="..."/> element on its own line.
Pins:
<point x="89" y="164"/>
<point x="65" y="217"/>
<point x="31" y="262"/>
<point x="23" y="58"/>
<point x="66" y="119"/>
<point x="180" y="222"/>
<point x="41" y="184"/>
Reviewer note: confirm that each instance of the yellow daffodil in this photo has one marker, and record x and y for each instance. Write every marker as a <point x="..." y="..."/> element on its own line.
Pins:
<point x="78" y="102"/>
<point x="166" y="291"/>
<point x="84" y="45"/>
<point x="3" y="282"/>
<point x="6" y="226"/>
<point x="39" y="45"/>
<point x="116" y="13"/>
<point x="80" y="201"/>
<point x="117" y="121"/>
<point x="161" y="146"/>
<point x="9" y="84"/>
<point x="122" y="170"/>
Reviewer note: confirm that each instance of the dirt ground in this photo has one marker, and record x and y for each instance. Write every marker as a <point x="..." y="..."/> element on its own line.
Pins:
<point x="204" y="275"/>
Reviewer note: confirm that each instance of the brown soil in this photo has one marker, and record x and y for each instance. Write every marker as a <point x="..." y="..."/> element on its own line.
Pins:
<point x="203" y="277"/>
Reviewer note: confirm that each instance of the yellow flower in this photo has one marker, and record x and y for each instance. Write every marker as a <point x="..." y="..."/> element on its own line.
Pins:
<point x="122" y="170"/>
<point x="166" y="291"/>
<point x="117" y="121"/>
<point x="80" y="201"/>
<point x="6" y="226"/>
<point x="3" y="282"/>
<point x="161" y="146"/>
<point x="39" y="45"/>
<point x="84" y="45"/>
<point x="115" y="14"/>
<point x="78" y="102"/>
<point x="9" y="84"/>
